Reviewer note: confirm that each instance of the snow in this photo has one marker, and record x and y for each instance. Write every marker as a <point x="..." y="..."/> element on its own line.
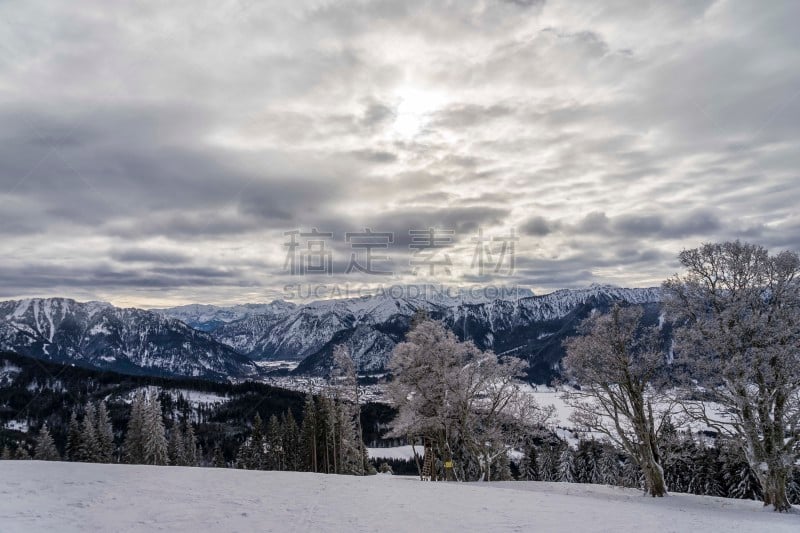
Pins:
<point x="17" y="425"/>
<point x="66" y="497"/>
<point x="395" y="452"/>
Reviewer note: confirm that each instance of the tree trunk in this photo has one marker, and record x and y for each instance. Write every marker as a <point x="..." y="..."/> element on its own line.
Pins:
<point x="774" y="483"/>
<point x="653" y="473"/>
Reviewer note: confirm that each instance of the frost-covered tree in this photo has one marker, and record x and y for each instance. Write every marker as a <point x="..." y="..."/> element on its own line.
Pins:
<point x="345" y="378"/>
<point x="465" y="403"/>
<point x="617" y="362"/>
<point x="566" y="466"/>
<point x="105" y="435"/>
<point x="529" y="464"/>
<point x="609" y="467"/>
<point x="45" y="447"/>
<point x="548" y="463"/>
<point x="738" y="309"/>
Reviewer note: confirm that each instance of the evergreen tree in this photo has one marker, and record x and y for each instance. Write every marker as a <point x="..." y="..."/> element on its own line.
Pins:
<point x="291" y="439"/>
<point x="566" y="466"/>
<point x="22" y="453"/>
<point x="45" y="447"/>
<point x="793" y="490"/>
<point x="134" y="436"/>
<point x="89" y="449"/>
<point x="632" y="474"/>
<point x="548" y="463"/>
<point x="308" y="436"/>
<point x="327" y="436"/>
<point x="218" y="458"/>
<point x="350" y="444"/>
<point x="274" y="442"/>
<point x="155" y="441"/>
<point x="529" y="465"/>
<point x="105" y="435"/>
<point x="73" y="438"/>
<point x="176" y="448"/>
<point x="252" y="455"/>
<point x="609" y="467"/>
<point x="189" y="444"/>
<point x="6" y="455"/>
<point x="501" y="468"/>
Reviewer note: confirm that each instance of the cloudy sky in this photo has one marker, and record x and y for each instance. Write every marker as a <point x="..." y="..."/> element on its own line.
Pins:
<point x="155" y="153"/>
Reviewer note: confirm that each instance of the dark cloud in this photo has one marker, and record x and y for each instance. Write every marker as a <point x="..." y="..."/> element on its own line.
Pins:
<point x="538" y="226"/>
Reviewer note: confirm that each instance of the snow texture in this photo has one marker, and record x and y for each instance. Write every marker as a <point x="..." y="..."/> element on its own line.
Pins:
<point x="66" y="497"/>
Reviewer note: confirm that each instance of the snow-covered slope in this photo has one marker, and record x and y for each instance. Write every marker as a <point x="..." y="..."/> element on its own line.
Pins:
<point x="69" y="497"/>
<point x="101" y="335"/>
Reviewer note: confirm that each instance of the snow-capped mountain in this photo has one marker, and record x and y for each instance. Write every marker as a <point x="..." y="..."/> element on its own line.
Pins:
<point x="104" y="336"/>
<point x="210" y="317"/>
<point x="531" y="326"/>
<point x="169" y="341"/>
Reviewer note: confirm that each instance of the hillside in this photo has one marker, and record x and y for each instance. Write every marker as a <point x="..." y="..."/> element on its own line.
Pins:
<point x="123" y="339"/>
<point x="90" y="497"/>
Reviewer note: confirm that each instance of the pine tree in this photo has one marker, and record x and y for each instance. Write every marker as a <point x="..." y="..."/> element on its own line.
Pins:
<point x="6" y="455"/>
<point x="793" y="490"/>
<point x="291" y="439"/>
<point x="219" y="458"/>
<point x="89" y="449"/>
<point x="155" y="441"/>
<point x="22" y="453"/>
<point x="501" y="468"/>
<point x="548" y="463"/>
<point x="274" y="443"/>
<point x="189" y="444"/>
<point x="134" y="436"/>
<point x="176" y="446"/>
<point x="45" y="447"/>
<point x="73" y="438"/>
<point x="308" y="436"/>
<point x="529" y="465"/>
<point x="632" y="474"/>
<point x="105" y="435"/>
<point x="566" y="466"/>
<point x="609" y="468"/>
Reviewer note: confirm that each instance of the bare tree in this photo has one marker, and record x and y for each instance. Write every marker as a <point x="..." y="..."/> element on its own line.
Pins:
<point x="616" y="364"/>
<point x="739" y="309"/>
<point x="465" y="402"/>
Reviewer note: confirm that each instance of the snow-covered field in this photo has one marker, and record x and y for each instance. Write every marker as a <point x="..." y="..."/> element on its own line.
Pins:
<point x="64" y="497"/>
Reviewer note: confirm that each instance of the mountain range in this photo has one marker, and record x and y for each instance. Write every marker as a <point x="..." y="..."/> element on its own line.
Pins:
<point x="225" y="342"/>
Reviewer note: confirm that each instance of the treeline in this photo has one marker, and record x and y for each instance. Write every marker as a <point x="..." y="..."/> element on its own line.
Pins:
<point x="77" y="414"/>
<point x="691" y="465"/>
<point x="326" y="441"/>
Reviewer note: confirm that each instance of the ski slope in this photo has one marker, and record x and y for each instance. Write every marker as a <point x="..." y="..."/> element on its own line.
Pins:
<point x="66" y="497"/>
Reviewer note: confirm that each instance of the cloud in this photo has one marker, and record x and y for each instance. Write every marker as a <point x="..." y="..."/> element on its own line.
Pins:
<point x="160" y="153"/>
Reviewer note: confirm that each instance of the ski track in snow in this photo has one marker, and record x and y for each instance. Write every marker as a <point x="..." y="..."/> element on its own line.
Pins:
<point x="66" y="497"/>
